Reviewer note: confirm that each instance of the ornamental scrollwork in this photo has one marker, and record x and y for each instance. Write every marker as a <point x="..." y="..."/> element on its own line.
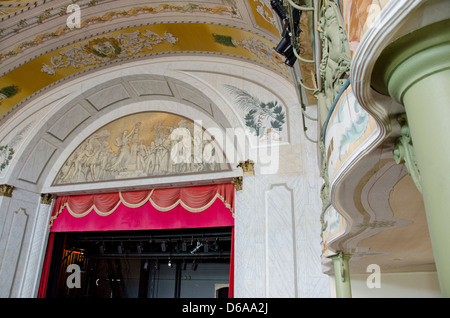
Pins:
<point x="105" y="49"/>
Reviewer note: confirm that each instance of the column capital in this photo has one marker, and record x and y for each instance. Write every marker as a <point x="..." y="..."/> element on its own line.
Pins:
<point x="341" y="256"/>
<point x="412" y="58"/>
<point x="238" y="183"/>
<point x="6" y="190"/>
<point x="248" y="167"/>
<point x="46" y="198"/>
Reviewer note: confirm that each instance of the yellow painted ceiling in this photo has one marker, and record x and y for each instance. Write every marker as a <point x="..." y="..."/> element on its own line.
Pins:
<point x="187" y="37"/>
<point x="253" y="43"/>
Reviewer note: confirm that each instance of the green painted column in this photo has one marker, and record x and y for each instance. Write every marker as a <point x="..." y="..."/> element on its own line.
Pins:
<point x="415" y="70"/>
<point x="342" y="275"/>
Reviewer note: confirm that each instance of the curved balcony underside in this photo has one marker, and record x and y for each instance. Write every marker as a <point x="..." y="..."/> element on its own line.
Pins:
<point x="383" y="211"/>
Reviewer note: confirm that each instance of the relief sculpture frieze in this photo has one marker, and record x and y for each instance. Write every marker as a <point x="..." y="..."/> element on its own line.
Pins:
<point x="150" y="144"/>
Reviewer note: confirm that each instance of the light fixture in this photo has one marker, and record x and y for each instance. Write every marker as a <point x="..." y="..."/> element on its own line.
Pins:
<point x="140" y="248"/>
<point x="284" y="43"/>
<point x="277" y="6"/>
<point x="120" y="248"/>
<point x="197" y="247"/>
<point x="290" y="60"/>
<point x="286" y="46"/>
<point x="169" y="263"/>
<point x="215" y="245"/>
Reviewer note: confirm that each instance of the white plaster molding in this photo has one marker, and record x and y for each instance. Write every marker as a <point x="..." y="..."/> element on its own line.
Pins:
<point x="280" y="244"/>
<point x="29" y="286"/>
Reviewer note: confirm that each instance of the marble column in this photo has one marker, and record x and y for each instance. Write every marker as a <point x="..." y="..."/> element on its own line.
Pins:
<point x="342" y="275"/>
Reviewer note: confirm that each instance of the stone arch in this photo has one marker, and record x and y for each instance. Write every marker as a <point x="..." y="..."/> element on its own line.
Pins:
<point x="73" y="121"/>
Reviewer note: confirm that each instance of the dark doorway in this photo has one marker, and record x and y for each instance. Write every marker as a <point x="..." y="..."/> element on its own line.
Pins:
<point x="186" y="263"/>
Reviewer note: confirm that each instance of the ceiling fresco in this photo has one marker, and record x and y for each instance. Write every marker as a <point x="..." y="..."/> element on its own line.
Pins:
<point x="39" y="49"/>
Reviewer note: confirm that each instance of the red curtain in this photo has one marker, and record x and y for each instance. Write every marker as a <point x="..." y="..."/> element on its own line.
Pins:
<point x="200" y="206"/>
<point x="190" y="207"/>
<point x="46" y="267"/>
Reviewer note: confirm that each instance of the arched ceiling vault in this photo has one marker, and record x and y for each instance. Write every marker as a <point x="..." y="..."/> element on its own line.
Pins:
<point x="39" y="50"/>
<point x="51" y="73"/>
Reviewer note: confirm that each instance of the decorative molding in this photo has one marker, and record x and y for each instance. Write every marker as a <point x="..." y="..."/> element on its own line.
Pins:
<point x="334" y="226"/>
<point x="383" y="30"/>
<point x="263" y="9"/>
<point x="404" y="152"/>
<point x="8" y="151"/>
<point x="335" y="63"/>
<point x="248" y="167"/>
<point x="231" y="11"/>
<point x="281" y="241"/>
<point x="6" y="190"/>
<point x="14" y="237"/>
<point x="101" y="50"/>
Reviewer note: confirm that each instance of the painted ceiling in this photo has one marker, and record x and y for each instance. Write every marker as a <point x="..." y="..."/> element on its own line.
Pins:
<point x="38" y="49"/>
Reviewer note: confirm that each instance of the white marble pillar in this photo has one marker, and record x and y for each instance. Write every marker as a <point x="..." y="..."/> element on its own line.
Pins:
<point x="18" y="220"/>
<point x="277" y="238"/>
<point x="36" y="252"/>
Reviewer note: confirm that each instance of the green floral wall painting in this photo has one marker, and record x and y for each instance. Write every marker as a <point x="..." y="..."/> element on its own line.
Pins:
<point x="266" y="120"/>
<point x="6" y="154"/>
<point x="8" y="91"/>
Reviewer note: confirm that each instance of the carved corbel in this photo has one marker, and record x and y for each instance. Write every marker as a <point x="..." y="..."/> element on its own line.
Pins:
<point x="404" y="152"/>
<point x="248" y="167"/>
<point x="6" y="190"/>
<point x="238" y="183"/>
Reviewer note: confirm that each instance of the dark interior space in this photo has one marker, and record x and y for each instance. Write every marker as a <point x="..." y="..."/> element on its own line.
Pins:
<point x="184" y="263"/>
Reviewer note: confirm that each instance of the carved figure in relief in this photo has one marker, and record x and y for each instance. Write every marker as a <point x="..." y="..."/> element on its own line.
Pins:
<point x="132" y="158"/>
<point x="141" y="154"/>
<point x="335" y="64"/>
<point x="122" y="143"/>
<point x="96" y="160"/>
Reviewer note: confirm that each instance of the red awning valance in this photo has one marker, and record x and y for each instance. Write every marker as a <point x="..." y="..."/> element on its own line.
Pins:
<point x="199" y="206"/>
